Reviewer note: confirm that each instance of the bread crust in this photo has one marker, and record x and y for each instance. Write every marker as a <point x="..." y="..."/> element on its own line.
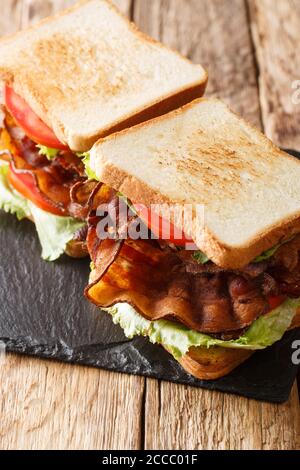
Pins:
<point x="156" y="110"/>
<point x="214" y="363"/>
<point x="37" y="25"/>
<point x="222" y="255"/>
<point x="225" y="256"/>
<point x="77" y="139"/>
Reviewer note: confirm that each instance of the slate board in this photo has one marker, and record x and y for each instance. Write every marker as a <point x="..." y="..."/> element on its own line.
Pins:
<point x="43" y="313"/>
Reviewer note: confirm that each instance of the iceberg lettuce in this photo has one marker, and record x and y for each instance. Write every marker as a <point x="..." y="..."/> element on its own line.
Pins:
<point x="86" y="158"/>
<point x="48" y="152"/>
<point x="178" y="339"/>
<point x="10" y="200"/>
<point x="54" y="231"/>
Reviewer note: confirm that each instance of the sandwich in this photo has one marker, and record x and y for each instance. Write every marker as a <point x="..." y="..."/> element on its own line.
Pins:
<point x="197" y="248"/>
<point x="75" y="77"/>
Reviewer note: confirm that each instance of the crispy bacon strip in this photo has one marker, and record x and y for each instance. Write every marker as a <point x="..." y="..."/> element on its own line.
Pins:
<point x="166" y="284"/>
<point x="86" y="196"/>
<point x="53" y="179"/>
<point x="5" y="144"/>
<point x="152" y="281"/>
<point x="158" y="284"/>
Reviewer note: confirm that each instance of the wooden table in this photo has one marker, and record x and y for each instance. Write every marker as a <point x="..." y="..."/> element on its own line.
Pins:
<point x="251" y="52"/>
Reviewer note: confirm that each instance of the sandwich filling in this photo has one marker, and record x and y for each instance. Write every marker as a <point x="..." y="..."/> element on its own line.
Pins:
<point x="178" y="339"/>
<point x="153" y="285"/>
<point x="36" y="181"/>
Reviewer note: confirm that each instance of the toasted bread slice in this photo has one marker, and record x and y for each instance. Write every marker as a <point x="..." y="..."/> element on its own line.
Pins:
<point x="213" y="363"/>
<point x="244" y="191"/>
<point x="89" y="72"/>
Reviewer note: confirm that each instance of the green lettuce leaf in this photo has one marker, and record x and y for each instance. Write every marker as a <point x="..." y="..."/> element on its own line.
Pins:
<point x="88" y="170"/>
<point x="54" y="231"/>
<point x="200" y="257"/>
<point x="52" y="153"/>
<point x="10" y="200"/>
<point x="267" y="254"/>
<point x="48" y="152"/>
<point x="178" y="339"/>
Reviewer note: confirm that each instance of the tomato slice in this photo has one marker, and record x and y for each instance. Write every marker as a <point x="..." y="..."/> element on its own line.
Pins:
<point x="24" y="183"/>
<point x="158" y="226"/>
<point x="31" y="124"/>
<point x="275" y="301"/>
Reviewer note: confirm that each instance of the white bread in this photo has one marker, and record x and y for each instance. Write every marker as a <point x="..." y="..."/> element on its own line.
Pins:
<point x="203" y="154"/>
<point x="213" y="363"/>
<point x="89" y="72"/>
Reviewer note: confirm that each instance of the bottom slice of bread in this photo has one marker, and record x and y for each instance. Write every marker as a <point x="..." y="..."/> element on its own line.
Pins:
<point x="214" y="363"/>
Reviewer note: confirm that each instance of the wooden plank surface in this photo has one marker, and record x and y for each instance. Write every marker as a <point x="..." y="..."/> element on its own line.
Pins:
<point x="276" y="35"/>
<point x="49" y="405"/>
<point x="10" y="16"/>
<point x="46" y="405"/>
<point x="179" y="417"/>
<point x="214" y="33"/>
<point x="276" y="32"/>
<point x="217" y="34"/>
<point x="34" y="10"/>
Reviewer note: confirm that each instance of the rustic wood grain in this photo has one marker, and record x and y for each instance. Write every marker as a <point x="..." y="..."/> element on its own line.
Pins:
<point x="10" y="16"/>
<point x="276" y="32"/>
<point x="34" y="10"/>
<point x="281" y="424"/>
<point x="214" y="33"/>
<point x="125" y="6"/>
<point x="181" y="417"/>
<point x="48" y="405"/>
<point x="45" y="405"/>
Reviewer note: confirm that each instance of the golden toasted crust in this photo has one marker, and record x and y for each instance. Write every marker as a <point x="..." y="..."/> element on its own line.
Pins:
<point x="221" y="254"/>
<point x="211" y="364"/>
<point x="95" y="82"/>
<point x="158" y="109"/>
<point x="214" y="363"/>
<point x="136" y="188"/>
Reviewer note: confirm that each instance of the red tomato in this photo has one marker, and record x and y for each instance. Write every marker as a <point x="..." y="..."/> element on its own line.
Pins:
<point x="24" y="183"/>
<point x="275" y="301"/>
<point x="157" y="225"/>
<point x="31" y="124"/>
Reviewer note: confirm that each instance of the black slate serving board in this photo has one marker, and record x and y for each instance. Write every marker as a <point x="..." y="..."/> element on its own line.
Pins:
<point x="43" y="313"/>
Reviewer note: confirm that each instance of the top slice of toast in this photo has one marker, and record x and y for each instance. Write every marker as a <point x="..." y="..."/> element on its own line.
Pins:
<point x="88" y="72"/>
<point x="244" y="191"/>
